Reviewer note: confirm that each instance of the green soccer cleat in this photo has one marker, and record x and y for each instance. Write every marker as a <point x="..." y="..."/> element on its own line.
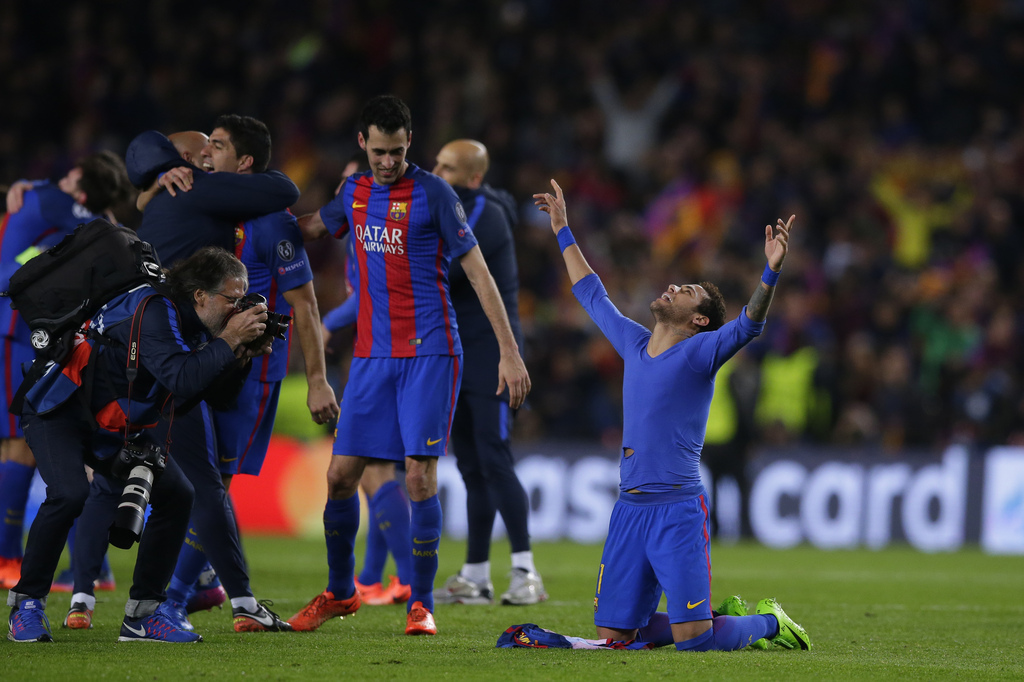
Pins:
<point x="735" y="606"/>
<point x="791" y="635"/>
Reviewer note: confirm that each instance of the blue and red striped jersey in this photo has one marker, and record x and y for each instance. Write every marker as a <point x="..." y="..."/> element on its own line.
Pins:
<point x="271" y="249"/>
<point x="46" y="216"/>
<point x="405" y="236"/>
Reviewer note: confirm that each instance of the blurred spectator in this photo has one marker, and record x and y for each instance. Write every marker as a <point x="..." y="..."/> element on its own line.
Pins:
<point x="893" y="130"/>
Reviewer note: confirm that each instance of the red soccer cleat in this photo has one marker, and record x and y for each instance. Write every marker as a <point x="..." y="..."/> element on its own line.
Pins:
<point x="397" y="592"/>
<point x="372" y="595"/>
<point x="10" y="572"/>
<point x="322" y="608"/>
<point x="419" y="621"/>
<point x="79" y="617"/>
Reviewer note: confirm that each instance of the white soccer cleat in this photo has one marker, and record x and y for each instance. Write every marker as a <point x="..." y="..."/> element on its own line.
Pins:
<point x="459" y="590"/>
<point x="525" y="588"/>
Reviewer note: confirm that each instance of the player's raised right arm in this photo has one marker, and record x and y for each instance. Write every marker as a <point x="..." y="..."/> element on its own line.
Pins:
<point x="554" y="206"/>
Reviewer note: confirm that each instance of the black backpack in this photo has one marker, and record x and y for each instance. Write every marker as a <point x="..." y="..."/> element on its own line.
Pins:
<point x="58" y="290"/>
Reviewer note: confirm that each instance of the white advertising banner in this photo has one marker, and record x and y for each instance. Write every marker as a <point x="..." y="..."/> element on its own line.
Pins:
<point x="824" y="497"/>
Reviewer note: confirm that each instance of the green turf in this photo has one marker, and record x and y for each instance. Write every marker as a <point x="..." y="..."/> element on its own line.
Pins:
<point x="888" y="615"/>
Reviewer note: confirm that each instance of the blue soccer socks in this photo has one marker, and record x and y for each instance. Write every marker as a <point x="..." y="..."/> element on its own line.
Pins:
<point x="191" y="562"/>
<point x="658" y="630"/>
<point x="15" y="483"/>
<point x="390" y="512"/>
<point x="426" y="537"/>
<point x="341" y="522"/>
<point x="728" y="633"/>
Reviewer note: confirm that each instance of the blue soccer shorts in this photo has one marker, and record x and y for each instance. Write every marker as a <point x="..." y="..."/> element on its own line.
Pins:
<point x="13" y="356"/>
<point x="243" y="434"/>
<point x="395" y="408"/>
<point x="656" y="542"/>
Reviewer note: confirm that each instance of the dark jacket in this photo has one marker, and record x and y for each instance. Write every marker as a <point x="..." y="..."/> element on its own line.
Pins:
<point x="491" y="213"/>
<point x="177" y="361"/>
<point x="208" y="214"/>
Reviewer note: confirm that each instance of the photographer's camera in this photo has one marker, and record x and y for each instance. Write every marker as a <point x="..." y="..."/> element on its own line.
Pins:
<point x="277" y="324"/>
<point x="139" y="466"/>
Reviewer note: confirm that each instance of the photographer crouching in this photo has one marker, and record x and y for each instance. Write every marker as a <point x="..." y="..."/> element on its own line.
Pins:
<point x="149" y="349"/>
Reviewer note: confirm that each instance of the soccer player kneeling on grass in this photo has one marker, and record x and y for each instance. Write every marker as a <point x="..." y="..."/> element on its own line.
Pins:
<point x="658" y="535"/>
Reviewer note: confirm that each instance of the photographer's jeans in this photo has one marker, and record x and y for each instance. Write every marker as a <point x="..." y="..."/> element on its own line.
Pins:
<point x="61" y="442"/>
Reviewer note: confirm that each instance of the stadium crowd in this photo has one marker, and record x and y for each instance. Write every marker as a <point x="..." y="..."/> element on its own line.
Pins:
<point x="892" y="129"/>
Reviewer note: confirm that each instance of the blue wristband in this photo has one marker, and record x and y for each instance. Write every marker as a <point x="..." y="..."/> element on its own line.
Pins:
<point x="565" y="238"/>
<point x="769" y="276"/>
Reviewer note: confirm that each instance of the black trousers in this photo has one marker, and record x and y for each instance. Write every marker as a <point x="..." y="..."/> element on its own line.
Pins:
<point x="193" y="447"/>
<point x="483" y="453"/>
<point x="62" y="443"/>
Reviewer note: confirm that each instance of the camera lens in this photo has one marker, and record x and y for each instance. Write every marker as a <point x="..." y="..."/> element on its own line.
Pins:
<point x="131" y="512"/>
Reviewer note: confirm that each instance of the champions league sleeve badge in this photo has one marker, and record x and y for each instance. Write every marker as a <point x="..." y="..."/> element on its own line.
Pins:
<point x="285" y="250"/>
<point x="460" y="212"/>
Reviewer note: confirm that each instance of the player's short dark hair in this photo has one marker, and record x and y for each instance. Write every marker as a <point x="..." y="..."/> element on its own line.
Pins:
<point x="388" y="113"/>
<point x="206" y="269"/>
<point x="104" y="180"/>
<point x="713" y="307"/>
<point x="250" y="136"/>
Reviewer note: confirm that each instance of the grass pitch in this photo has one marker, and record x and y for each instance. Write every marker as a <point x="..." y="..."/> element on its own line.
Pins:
<point x="886" y="615"/>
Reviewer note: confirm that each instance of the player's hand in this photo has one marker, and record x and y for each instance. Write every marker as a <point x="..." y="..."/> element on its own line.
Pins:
<point x="554" y="206"/>
<point x="776" y="244"/>
<point x="322" y="404"/>
<point x="178" y="177"/>
<point x="512" y="373"/>
<point x="246" y="326"/>
<point x="264" y="349"/>
<point x="16" y="195"/>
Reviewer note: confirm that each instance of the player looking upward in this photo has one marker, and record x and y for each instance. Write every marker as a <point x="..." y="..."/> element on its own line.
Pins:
<point x="659" y="533"/>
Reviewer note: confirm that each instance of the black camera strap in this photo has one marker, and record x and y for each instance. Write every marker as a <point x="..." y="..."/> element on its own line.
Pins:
<point x="132" y="369"/>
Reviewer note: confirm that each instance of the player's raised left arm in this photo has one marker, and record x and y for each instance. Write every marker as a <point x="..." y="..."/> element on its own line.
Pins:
<point x="511" y="368"/>
<point x="320" y="398"/>
<point x="776" y="246"/>
<point x="554" y="206"/>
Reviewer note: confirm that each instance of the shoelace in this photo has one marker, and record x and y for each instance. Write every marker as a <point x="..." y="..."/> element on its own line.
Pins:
<point x="23" y="620"/>
<point x="266" y="604"/>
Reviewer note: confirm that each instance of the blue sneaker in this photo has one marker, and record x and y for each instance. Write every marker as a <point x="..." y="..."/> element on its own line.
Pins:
<point x="174" y="611"/>
<point x="155" y="628"/>
<point x="28" y="623"/>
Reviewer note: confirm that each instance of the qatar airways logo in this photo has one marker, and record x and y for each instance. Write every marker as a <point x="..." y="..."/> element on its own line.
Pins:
<point x="377" y="239"/>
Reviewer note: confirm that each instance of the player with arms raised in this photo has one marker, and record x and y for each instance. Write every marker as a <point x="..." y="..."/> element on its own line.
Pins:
<point x="659" y="534"/>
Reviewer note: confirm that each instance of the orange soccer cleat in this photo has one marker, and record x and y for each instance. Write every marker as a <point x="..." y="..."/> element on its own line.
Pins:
<point x="322" y="608"/>
<point x="79" y="617"/>
<point x="10" y="572"/>
<point x="419" y="621"/>
<point x="397" y="592"/>
<point x="373" y="594"/>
